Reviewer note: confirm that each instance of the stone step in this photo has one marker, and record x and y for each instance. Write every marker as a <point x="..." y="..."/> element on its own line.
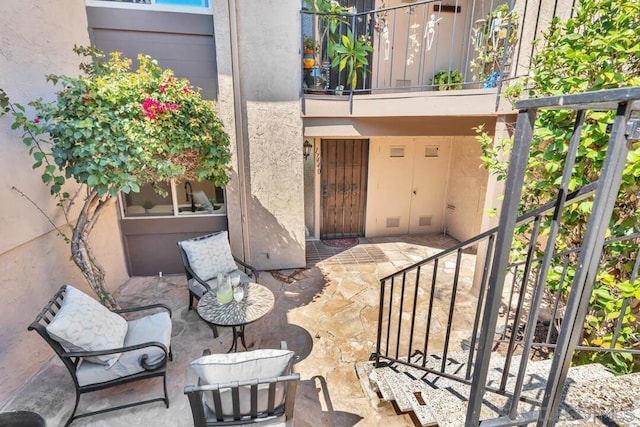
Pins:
<point x="537" y="372"/>
<point x="616" y="398"/>
<point x="436" y="400"/>
<point x="364" y="372"/>
<point x="379" y="378"/>
<point x="418" y="402"/>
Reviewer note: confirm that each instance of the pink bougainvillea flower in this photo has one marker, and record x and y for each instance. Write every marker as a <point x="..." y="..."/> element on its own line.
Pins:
<point x="152" y="108"/>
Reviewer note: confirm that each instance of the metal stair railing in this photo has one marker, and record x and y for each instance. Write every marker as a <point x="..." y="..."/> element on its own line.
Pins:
<point x="408" y="312"/>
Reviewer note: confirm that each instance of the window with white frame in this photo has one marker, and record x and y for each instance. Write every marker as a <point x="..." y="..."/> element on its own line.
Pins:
<point x="193" y="6"/>
<point x="179" y="199"/>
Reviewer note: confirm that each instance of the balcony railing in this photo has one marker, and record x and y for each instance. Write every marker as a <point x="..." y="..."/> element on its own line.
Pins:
<point x="417" y="46"/>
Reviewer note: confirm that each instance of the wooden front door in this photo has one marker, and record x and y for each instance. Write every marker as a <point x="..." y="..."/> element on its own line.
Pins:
<point x="343" y="187"/>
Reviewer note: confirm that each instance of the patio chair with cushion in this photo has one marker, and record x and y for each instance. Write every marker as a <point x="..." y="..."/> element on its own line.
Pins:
<point x="205" y="258"/>
<point x="244" y="388"/>
<point x="102" y="349"/>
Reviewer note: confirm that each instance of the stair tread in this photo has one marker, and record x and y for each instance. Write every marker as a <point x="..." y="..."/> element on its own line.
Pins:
<point x="446" y="399"/>
<point x="363" y="372"/>
<point x="613" y="397"/>
<point x="395" y="381"/>
<point x="421" y="408"/>
<point x="378" y="376"/>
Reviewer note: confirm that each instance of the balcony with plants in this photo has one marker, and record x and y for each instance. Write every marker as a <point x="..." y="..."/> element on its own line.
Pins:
<point x="408" y="48"/>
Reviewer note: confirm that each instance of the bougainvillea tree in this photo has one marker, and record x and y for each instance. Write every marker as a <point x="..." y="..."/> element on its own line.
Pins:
<point x="113" y="129"/>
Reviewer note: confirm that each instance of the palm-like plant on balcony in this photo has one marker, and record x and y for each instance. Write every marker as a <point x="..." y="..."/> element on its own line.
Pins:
<point x="352" y="54"/>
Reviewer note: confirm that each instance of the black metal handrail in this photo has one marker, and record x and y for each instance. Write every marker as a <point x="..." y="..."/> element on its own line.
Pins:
<point x="407" y="319"/>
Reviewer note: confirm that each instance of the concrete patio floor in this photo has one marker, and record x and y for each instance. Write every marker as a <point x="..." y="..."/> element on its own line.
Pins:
<point x="327" y="313"/>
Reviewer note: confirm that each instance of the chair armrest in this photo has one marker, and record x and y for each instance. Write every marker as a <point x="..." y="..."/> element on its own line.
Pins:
<point x="143" y="308"/>
<point x="198" y="279"/>
<point x="143" y="358"/>
<point x="252" y="270"/>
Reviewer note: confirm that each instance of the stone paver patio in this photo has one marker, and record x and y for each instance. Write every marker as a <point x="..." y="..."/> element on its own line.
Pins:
<point x="326" y="313"/>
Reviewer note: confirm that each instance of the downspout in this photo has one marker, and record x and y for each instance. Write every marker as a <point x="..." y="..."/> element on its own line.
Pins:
<point x="239" y="127"/>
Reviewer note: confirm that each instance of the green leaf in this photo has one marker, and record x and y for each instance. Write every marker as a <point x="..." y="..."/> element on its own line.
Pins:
<point x="92" y="180"/>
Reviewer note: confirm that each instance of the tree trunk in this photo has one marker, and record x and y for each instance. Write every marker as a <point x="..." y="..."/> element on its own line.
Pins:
<point x="81" y="250"/>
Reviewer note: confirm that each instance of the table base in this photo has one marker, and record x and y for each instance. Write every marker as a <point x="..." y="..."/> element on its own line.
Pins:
<point x="238" y="333"/>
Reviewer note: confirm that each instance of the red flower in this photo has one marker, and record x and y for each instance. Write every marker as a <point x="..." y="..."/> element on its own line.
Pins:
<point x="152" y="107"/>
<point x="163" y="87"/>
<point x="36" y="120"/>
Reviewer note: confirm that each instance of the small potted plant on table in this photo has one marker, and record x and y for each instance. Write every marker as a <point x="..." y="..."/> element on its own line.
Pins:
<point x="147" y="205"/>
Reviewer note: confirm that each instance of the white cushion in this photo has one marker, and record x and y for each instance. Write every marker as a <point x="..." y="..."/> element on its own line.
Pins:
<point x="248" y="365"/>
<point x="83" y="324"/>
<point x="155" y="327"/>
<point x="211" y="256"/>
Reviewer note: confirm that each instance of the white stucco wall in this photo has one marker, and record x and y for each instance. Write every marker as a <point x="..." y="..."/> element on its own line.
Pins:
<point x="37" y="38"/>
<point x="266" y="107"/>
<point x="467" y="188"/>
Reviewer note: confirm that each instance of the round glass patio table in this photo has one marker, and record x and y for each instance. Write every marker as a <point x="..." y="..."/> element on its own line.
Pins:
<point x="256" y="303"/>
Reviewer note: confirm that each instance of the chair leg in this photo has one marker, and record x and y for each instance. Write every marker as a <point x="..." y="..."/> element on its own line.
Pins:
<point x="164" y="384"/>
<point x="190" y="300"/>
<point x="75" y="408"/>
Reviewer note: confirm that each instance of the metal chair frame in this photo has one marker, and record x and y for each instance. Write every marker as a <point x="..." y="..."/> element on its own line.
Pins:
<point x="72" y="359"/>
<point x="247" y="268"/>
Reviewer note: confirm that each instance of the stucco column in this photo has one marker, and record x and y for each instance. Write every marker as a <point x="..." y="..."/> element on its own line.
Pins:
<point x="259" y="72"/>
<point x="492" y="199"/>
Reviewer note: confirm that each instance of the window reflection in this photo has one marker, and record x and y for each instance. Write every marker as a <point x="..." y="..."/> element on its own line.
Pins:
<point x="192" y="198"/>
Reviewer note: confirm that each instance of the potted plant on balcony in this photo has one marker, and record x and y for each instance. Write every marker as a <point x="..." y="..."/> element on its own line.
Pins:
<point x="447" y="80"/>
<point x="328" y="17"/>
<point x="309" y="53"/>
<point x="353" y="55"/>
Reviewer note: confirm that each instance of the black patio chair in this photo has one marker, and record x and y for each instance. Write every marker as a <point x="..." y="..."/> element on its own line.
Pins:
<point x="204" y="258"/>
<point x="143" y="354"/>
<point x="257" y="387"/>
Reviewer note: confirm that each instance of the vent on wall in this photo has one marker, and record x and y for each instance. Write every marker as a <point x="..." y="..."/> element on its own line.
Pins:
<point x="431" y="150"/>
<point x="393" y="222"/>
<point x="425" y="221"/>
<point x="397" y="151"/>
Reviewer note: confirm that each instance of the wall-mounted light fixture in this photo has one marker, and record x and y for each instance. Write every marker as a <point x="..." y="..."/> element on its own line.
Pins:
<point x="306" y="148"/>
